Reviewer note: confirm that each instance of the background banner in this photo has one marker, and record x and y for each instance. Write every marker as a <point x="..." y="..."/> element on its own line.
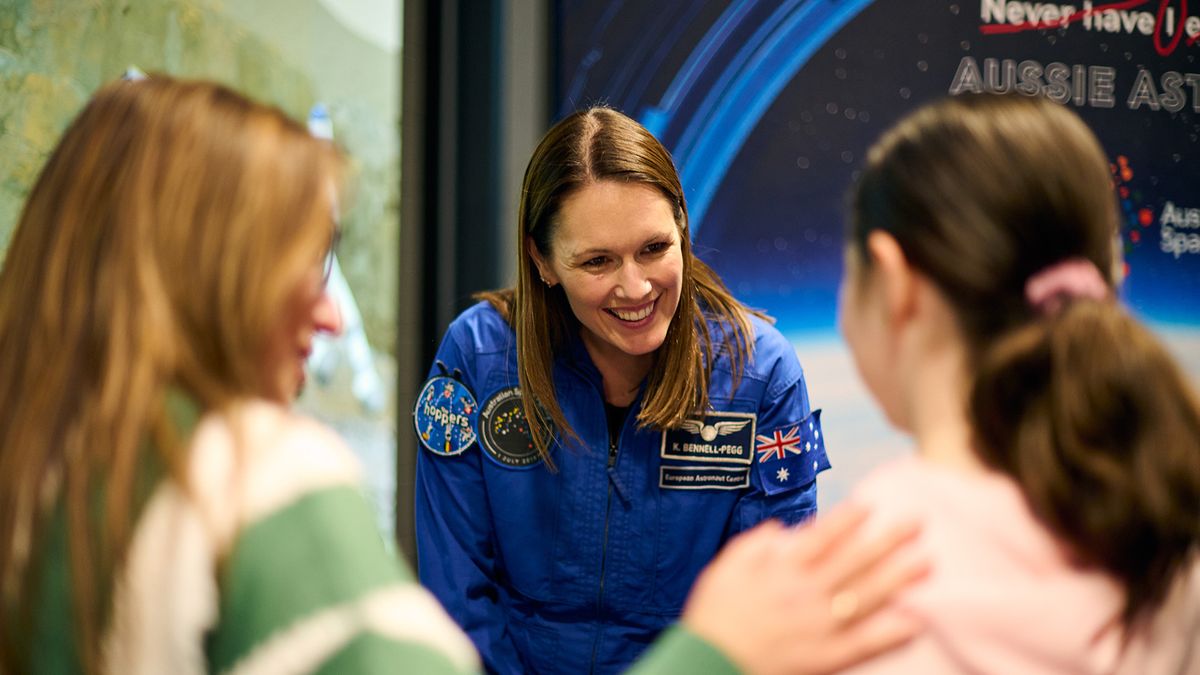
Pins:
<point x="768" y="107"/>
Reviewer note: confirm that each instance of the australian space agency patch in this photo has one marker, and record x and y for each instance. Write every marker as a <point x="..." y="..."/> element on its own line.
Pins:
<point x="504" y="432"/>
<point x="445" y="416"/>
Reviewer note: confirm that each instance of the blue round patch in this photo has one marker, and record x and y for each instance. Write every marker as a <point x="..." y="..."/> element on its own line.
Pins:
<point x="445" y="416"/>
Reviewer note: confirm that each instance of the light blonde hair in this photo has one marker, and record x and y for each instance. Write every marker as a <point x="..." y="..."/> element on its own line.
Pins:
<point x="154" y="254"/>
<point x="601" y="144"/>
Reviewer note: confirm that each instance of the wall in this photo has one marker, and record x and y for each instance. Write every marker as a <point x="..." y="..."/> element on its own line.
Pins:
<point x="290" y="53"/>
<point x="769" y="106"/>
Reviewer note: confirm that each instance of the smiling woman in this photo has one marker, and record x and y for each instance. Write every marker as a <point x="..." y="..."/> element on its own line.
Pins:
<point x="622" y="283"/>
<point x="632" y="417"/>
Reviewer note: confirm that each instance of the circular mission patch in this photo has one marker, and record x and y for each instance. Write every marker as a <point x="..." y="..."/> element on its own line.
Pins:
<point x="504" y="432"/>
<point x="445" y="416"/>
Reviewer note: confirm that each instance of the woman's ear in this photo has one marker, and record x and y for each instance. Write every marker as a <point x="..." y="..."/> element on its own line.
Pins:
<point x="896" y="276"/>
<point x="544" y="269"/>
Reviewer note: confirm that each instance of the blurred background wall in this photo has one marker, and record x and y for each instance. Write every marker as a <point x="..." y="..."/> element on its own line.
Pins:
<point x="767" y="105"/>
<point x="342" y="54"/>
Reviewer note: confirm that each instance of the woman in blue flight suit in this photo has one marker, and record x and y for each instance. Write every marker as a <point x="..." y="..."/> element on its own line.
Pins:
<point x="593" y="436"/>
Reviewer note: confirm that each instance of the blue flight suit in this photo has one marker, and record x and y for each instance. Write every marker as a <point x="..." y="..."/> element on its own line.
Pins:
<point x="577" y="571"/>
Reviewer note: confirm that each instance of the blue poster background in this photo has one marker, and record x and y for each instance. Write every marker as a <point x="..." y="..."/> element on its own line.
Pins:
<point x="768" y="107"/>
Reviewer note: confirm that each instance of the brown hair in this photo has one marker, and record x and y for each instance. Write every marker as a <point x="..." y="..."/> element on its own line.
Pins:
<point x="1083" y="408"/>
<point x="586" y="147"/>
<point x="154" y="253"/>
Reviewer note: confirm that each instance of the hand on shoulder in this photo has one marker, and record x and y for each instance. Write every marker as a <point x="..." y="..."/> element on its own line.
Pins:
<point x="809" y="600"/>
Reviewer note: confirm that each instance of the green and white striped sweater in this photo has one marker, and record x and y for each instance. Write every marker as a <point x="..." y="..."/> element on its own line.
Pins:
<point x="270" y="564"/>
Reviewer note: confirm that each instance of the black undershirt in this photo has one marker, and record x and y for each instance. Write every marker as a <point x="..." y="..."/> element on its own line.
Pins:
<point x="616" y="420"/>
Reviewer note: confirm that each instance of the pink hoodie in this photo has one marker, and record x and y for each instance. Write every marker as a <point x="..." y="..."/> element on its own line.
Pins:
<point x="1003" y="598"/>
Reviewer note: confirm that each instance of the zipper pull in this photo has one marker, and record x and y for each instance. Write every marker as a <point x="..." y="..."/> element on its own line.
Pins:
<point x="613" y="479"/>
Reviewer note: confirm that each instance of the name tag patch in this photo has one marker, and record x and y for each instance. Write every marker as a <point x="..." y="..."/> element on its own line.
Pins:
<point x="720" y="437"/>
<point x="703" y="478"/>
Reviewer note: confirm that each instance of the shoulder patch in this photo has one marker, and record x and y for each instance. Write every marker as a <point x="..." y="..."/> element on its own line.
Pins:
<point x="721" y="437"/>
<point x="791" y="456"/>
<point x="445" y="416"/>
<point x="504" y="432"/>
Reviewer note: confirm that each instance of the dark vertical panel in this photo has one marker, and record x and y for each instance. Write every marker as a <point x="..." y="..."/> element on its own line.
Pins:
<point x="458" y="153"/>
<point x="478" y="150"/>
<point x="418" y="166"/>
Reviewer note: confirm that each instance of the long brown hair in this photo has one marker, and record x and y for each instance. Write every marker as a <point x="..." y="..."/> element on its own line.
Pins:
<point x="1083" y="408"/>
<point x="586" y="147"/>
<point x="154" y="253"/>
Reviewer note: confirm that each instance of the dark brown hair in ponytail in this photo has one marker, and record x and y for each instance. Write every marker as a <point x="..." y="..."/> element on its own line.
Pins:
<point x="1082" y="407"/>
<point x="1091" y="416"/>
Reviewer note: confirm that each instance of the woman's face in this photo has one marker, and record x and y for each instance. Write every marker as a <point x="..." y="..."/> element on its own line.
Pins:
<point x="617" y="254"/>
<point x="309" y="310"/>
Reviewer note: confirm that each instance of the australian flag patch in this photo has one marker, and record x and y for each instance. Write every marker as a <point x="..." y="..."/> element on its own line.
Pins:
<point x="791" y="456"/>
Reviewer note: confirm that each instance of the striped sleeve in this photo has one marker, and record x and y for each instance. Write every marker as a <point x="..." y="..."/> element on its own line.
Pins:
<point x="311" y="587"/>
<point x="678" y="650"/>
<point x="307" y="585"/>
<point x="268" y="561"/>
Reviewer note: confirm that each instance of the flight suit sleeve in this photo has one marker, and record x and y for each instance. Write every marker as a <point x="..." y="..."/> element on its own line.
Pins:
<point x="789" y="448"/>
<point x="456" y="549"/>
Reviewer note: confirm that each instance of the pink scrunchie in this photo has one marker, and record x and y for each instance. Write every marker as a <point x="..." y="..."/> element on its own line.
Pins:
<point x="1049" y="290"/>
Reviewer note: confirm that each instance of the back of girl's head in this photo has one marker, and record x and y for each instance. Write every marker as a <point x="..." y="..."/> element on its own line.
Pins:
<point x="982" y="192"/>
<point x="155" y="252"/>
<point x="1075" y="400"/>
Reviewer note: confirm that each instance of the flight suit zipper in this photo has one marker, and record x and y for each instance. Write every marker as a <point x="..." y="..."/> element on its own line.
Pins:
<point x="613" y="452"/>
<point x="612" y="461"/>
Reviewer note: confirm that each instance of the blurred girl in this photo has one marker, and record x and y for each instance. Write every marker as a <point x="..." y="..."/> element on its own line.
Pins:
<point x="1058" y="446"/>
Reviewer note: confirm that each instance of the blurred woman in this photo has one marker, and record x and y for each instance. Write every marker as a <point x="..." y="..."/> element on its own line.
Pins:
<point x="161" y="510"/>
<point x="1057" y="475"/>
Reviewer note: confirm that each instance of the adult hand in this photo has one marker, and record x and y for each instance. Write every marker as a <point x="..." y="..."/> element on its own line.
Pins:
<point x="809" y="600"/>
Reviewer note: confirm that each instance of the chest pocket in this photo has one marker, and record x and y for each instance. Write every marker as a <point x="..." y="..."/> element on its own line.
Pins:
<point x="704" y="469"/>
